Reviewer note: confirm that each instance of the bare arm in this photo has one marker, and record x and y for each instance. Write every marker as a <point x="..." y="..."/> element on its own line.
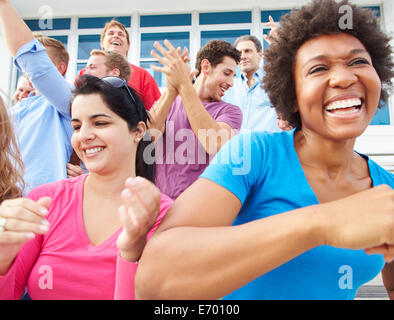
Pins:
<point x="196" y="254"/>
<point x="16" y="32"/>
<point x="158" y="114"/>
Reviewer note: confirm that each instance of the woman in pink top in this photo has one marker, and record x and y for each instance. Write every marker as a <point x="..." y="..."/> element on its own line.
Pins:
<point x="75" y="239"/>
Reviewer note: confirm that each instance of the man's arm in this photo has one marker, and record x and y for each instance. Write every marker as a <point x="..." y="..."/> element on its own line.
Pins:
<point x="211" y="134"/>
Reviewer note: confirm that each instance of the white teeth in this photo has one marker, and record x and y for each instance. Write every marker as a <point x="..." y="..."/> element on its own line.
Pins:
<point x="343" y="104"/>
<point x="116" y="43"/>
<point x="347" y="112"/>
<point x="93" y="150"/>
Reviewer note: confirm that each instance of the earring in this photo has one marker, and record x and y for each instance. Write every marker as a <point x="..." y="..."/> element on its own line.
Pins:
<point x="138" y="139"/>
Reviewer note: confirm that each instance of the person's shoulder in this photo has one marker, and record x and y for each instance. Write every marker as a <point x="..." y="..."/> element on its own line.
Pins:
<point x="227" y="104"/>
<point x="224" y="106"/>
<point x="268" y="140"/>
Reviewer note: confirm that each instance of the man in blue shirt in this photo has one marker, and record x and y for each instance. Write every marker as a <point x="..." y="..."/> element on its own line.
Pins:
<point x="42" y="122"/>
<point x="247" y="93"/>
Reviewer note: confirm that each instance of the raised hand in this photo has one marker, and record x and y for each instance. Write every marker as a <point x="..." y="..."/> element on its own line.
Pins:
<point x="272" y="34"/>
<point x="138" y="214"/>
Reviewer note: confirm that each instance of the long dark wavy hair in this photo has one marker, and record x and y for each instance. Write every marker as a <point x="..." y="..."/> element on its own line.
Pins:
<point x="120" y="102"/>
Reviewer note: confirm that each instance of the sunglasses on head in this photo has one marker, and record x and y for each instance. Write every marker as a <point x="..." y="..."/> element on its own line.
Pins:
<point x="117" y="82"/>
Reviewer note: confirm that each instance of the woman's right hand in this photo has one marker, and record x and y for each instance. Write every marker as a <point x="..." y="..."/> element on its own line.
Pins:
<point x="361" y="221"/>
<point x="20" y="220"/>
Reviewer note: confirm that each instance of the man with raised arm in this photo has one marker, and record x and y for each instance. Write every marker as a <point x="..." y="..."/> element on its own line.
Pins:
<point x="192" y="119"/>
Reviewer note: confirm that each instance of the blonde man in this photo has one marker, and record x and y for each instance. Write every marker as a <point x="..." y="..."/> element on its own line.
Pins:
<point x="56" y="51"/>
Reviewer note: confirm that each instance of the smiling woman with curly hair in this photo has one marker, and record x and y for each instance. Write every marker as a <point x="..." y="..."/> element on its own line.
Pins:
<point x="11" y="181"/>
<point x="320" y="18"/>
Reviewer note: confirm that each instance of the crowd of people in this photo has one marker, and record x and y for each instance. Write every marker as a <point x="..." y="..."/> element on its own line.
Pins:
<point x="216" y="187"/>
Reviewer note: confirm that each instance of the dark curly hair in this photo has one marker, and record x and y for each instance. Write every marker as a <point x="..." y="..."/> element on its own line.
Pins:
<point x="214" y="51"/>
<point x="321" y="17"/>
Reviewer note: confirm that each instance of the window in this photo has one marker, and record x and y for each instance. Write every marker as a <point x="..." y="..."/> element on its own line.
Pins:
<point x="225" y="17"/>
<point x="99" y="23"/>
<point x="44" y="25"/>
<point x="166" y="20"/>
<point x="86" y="43"/>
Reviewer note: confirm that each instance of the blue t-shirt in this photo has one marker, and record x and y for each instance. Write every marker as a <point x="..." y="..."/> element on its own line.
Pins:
<point x="263" y="171"/>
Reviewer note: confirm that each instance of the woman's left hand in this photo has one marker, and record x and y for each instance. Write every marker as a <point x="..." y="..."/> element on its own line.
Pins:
<point x="138" y="214"/>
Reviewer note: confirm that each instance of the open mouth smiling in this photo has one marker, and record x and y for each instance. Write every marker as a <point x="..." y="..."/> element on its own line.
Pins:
<point x="345" y="106"/>
<point x="93" y="150"/>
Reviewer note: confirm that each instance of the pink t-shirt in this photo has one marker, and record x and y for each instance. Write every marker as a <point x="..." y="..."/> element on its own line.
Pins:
<point x="180" y="158"/>
<point x="63" y="264"/>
